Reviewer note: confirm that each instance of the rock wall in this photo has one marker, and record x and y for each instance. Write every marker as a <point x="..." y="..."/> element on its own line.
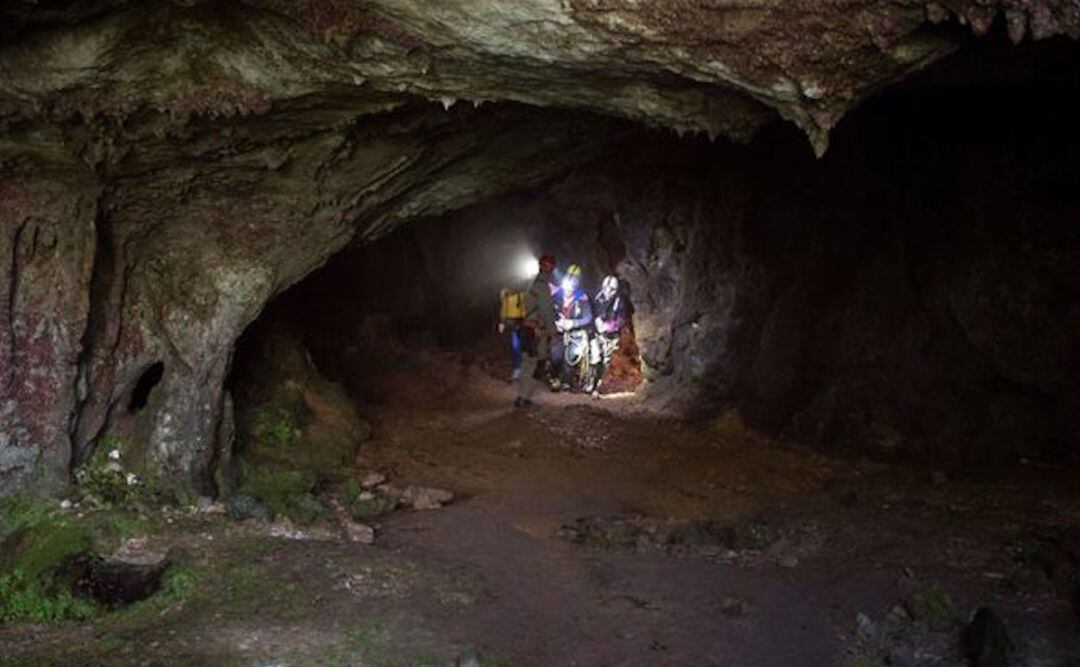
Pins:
<point x="169" y="246"/>
<point x="48" y="208"/>
<point x="171" y="166"/>
<point x="914" y="292"/>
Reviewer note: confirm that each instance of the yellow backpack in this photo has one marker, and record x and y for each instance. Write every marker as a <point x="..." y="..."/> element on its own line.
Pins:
<point x="511" y="305"/>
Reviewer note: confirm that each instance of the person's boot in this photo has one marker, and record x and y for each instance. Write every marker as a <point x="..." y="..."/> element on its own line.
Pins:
<point x="594" y="384"/>
<point x="516" y="375"/>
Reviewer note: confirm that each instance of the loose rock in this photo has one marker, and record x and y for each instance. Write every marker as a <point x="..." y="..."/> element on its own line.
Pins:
<point x="240" y="508"/>
<point x="372" y="480"/>
<point x="426" y="498"/>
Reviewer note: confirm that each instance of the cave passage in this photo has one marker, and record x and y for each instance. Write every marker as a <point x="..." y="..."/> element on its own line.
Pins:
<point x="841" y="427"/>
<point x="906" y="296"/>
<point x="905" y="304"/>
<point x="435" y="286"/>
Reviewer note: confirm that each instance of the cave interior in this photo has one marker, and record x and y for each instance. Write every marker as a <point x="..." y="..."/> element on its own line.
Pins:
<point x="254" y="331"/>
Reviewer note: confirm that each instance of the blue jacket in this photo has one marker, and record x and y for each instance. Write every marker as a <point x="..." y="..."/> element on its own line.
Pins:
<point x="578" y="310"/>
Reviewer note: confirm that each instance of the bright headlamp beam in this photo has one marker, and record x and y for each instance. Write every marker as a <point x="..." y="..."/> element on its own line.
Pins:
<point x="528" y="267"/>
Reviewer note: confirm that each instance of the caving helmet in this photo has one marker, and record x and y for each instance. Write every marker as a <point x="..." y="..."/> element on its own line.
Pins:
<point x="572" y="280"/>
<point x="610" y="287"/>
<point x="547" y="262"/>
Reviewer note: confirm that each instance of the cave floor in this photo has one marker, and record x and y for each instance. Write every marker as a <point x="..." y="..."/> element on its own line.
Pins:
<point x="590" y="533"/>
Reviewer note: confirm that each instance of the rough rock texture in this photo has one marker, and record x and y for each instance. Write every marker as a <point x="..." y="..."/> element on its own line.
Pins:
<point x="913" y="293"/>
<point x="296" y="432"/>
<point x="171" y="166"/>
<point x="48" y="206"/>
<point x="712" y="65"/>
<point x="197" y="226"/>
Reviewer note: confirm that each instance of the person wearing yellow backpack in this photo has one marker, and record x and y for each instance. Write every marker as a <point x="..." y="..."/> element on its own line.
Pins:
<point x="511" y="321"/>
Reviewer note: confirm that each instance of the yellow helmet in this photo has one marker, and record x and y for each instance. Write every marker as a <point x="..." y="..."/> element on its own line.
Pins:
<point x="573" y="271"/>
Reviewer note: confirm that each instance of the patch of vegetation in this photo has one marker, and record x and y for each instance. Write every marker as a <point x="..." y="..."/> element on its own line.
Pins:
<point x="121" y="525"/>
<point x="275" y="427"/>
<point x="178" y="585"/>
<point x="113" y="478"/>
<point x="37" y="541"/>
<point x="25" y="599"/>
<point x="364" y="508"/>
<point x="349" y="490"/>
<point x="242" y="587"/>
<point x="932" y="605"/>
<point x="274" y="486"/>
<point x="41" y="547"/>
<point x="285" y="493"/>
<point x="17" y="513"/>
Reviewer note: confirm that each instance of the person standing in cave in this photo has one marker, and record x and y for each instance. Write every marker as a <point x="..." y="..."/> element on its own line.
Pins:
<point x="538" y="330"/>
<point x="610" y="310"/>
<point x="511" y="315"/>
<point x="574" y="323"/>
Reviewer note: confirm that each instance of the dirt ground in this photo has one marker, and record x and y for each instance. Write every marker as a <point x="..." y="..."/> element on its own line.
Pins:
<point x="592" y="533"/>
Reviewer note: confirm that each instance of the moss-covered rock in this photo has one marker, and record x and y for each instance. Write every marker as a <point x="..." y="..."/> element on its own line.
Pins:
<point x="295" y="429"/>
<point x="286" y="493"/>
<point x="368" y="506"/>
<point x="35" y="543"/>
<point x="36" y="550"/>
<point x="44" y="555"/>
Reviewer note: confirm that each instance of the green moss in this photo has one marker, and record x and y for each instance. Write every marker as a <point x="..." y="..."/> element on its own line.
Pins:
<point x="179" y="584"/>
<point x="305" y="509"/>
<point x="365" y="509"/>
<point x="17" y="513"/>
<point x="276" y="428"/>
<point x="274" y="486"/>
<point x="37" y="549"/>
<point x="25" y="599"/>
<point x="120" y="525"/>
<point x="284" y="492"/>
<point x="273" y="438"/>
<point x="350" y="490"/>
<point x="106" y="480"/>
<point x="932" y="605"/>
<point x="37" y="541"/>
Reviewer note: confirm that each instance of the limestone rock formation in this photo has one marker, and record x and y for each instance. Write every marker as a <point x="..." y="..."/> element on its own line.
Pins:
<point x="168" y="167"/>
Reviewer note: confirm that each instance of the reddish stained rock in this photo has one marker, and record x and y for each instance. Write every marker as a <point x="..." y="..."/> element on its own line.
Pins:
<point x="47" y="227"/>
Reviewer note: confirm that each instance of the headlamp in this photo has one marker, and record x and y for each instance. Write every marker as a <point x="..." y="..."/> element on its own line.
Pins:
<point x="528" y="267"/>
